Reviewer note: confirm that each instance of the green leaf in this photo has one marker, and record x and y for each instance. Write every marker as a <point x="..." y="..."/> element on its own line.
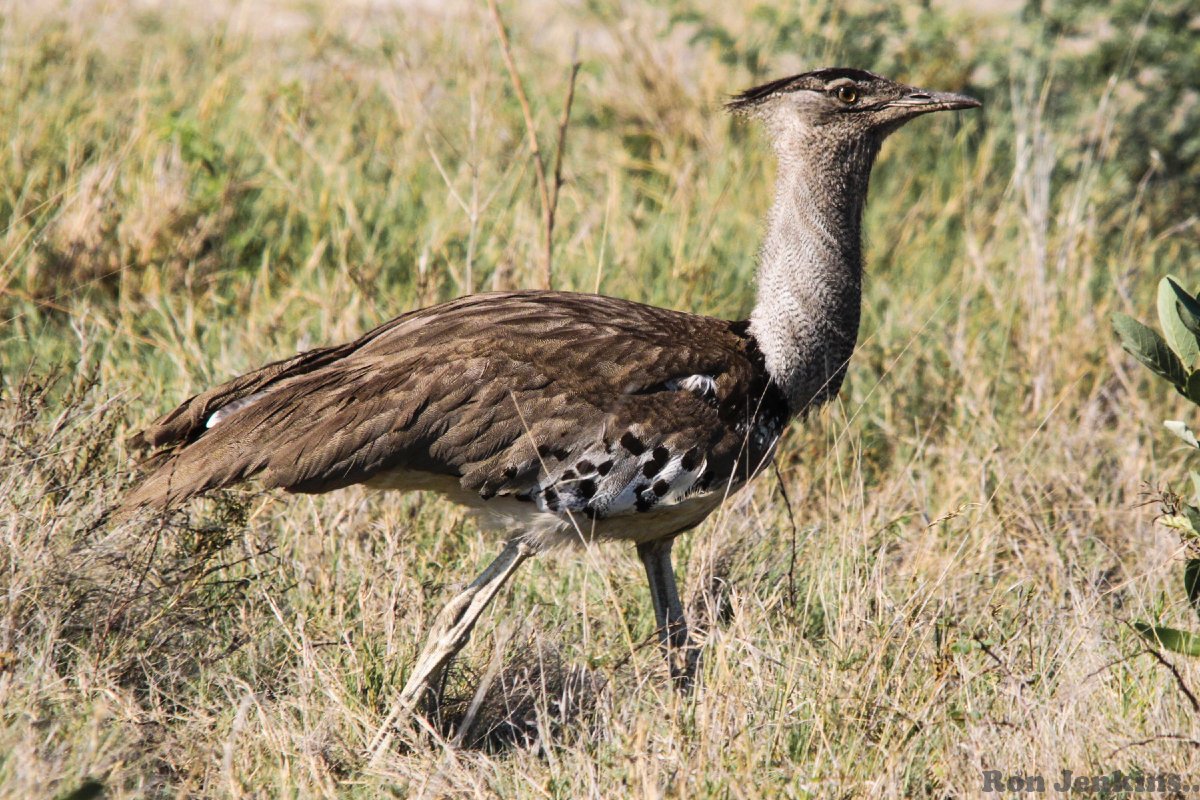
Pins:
<point x="1195" y="476"/>
<point x="1183" y="523"/>
<point x="1149" y="348"/>
<point x="1182" y="341"/>
<point x="1191" y="583"/>
<point x="1190" y="320"/>
<point x="1177" y="641"/>
<point x="1180" y="429"/>
<point x="1188" y="308"/>
<point x="1192" y="390"/>
<point x="1192" y="515"/>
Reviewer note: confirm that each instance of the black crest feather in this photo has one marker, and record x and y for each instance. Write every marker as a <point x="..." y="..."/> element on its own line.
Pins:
<point x="753" y="96"/>
<point x="806" y="80"/>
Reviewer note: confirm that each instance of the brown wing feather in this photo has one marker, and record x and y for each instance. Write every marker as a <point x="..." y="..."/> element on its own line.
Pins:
<point x="492" y="389"/>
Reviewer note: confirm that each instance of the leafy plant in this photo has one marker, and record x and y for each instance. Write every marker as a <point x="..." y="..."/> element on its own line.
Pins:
<point x="1175" y="356"/>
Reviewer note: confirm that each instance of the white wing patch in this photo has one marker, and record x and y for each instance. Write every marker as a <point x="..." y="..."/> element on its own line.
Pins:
<point x="232" y="408"/>
<point x="703" y="385"/>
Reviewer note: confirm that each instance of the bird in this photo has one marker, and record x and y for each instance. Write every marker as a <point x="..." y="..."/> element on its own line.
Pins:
<point x="561" y="417"/>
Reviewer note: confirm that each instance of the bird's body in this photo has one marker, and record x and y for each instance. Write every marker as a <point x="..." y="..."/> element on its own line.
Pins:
<point x="566" y="417"/>
<point x="554" y="415"/>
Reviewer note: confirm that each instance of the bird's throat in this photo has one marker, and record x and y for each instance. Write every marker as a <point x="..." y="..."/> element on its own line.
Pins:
<point x="807" y="313"/>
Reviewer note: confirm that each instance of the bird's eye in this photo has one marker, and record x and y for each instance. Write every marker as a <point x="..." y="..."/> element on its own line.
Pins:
<point x="847" y="94"/>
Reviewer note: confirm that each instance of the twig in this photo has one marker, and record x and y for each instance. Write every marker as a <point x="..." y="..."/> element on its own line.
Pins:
<point x="534" y="148"/>
<point x="1183" y="687"/>
<point x="787" y="504"/>
<point x="547" y="194"/>
<point x="1110" y="665"/>
<point x="564" y="122"/>
<point x="1170" y="737"/>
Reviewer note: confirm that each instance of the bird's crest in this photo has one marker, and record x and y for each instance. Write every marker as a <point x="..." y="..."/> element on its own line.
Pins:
<point x="752" y="98"/>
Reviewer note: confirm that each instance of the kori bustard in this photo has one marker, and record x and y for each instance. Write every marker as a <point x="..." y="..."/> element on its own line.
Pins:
<point x="562" y="417"/>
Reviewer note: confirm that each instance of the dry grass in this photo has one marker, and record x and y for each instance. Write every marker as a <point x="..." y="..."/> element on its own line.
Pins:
<point x="191" y="189"/>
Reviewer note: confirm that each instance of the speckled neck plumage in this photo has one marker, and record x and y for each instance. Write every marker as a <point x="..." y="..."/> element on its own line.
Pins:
<point x="810" y="266"/>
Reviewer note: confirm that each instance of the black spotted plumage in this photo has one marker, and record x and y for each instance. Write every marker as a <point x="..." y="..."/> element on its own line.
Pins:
<point x="633" y="444"/>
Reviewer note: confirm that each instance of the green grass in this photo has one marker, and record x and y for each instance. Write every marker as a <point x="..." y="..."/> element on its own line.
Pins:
<point x="188" y="192"/>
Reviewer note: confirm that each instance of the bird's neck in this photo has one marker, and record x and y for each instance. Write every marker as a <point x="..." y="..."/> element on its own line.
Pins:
<point x="810" y="272"/>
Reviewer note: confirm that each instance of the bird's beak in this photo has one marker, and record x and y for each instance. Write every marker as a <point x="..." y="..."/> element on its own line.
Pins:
<point x="919" y="101"/>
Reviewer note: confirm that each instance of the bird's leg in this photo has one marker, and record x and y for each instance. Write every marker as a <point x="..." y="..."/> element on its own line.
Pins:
<point x="672" y="627"/>
<point x="449" y="634"/>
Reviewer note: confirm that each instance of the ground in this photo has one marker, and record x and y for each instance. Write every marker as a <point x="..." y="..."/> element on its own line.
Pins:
<point x="936" y="582"/>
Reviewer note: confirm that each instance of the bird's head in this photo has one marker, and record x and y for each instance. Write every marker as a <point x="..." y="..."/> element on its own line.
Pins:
<point x="838" y="104"/>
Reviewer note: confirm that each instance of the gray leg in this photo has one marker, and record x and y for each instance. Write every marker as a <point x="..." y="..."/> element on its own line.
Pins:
<point x="672" y="627"/>
<point x="450" y="633"/>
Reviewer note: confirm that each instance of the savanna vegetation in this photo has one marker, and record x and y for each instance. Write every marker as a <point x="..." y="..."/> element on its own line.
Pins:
<point x="942" y="576"/>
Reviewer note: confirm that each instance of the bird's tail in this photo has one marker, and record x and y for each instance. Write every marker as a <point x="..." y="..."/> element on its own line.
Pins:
<point x="189" y="453"/>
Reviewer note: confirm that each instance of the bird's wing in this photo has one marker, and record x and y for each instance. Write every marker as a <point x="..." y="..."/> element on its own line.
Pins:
<point x="577" y="402"/>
